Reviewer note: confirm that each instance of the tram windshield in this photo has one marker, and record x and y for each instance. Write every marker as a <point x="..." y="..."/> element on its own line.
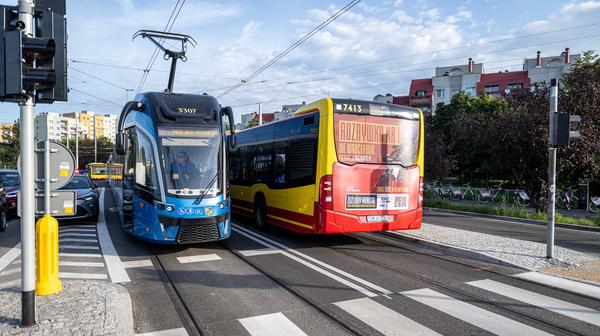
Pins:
<point x="192" y="159"/>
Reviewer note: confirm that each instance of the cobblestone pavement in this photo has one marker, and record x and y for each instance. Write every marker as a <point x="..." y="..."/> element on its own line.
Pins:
<point x="84" y="307"/>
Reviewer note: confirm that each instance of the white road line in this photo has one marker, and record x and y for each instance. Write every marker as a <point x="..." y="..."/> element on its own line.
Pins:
<point x="91" y="276"/>
<point x="257" y="252"/>
<point x="382" y="318"/>
<point x="89" y="231"/>
<point x="577" y="312"/>
<point x="80" y="226"/>
<point x="474" y="315"/>
<point x="198" y="258"/>
<point x="10" y="284"/>
<point x="137" y="263"/>
<point x="562" y="283"/>
<point x="113" y="262"/>
<point x="318" y="262"/>
<point x="271" y="325"/>
<point x="78" y="247"/>
<point x="77" y="240"/>
<point x="80" y="264"/>
<point x="311" y="266"/>
<point x="168" y="332"/>
<point x="10" y="256"/>
<point x="80" y="255"/>
<point x="11" y="271"/>
<point x="77" y="235"/>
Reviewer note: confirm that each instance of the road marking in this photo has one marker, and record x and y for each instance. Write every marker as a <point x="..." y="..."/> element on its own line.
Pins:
<point x="257" y="252"/>
<point x="80" y="255"/>
<point x="94" y="276"/>
<point x="77" y="240"/>
<point x="198" y="258"/>
<point x="78" y="247"/>
<point x="10" y="284"/>
<point x="167" y="332"/>
<point x="474" y="315"/>
<point x="111" y="258"/>
<point x="83" y="231"/>
<point x="577" y="312"/>
<point x="318" y="262"/>
<point x="11" y="271"/>
<point x="80" y="264"/>
<point x="382" y="318"/>
<point x="80" y="226"/>
<point x="309" y="265"/>
<point x="137" y="263"/>
<point x="76" y="235"/>
<point x="10" y="256"/>
<point x="271" y="325"/>
<point x="562" y="283"/>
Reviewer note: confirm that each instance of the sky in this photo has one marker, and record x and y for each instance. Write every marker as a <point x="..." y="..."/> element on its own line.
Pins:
<point x="375" y="48"/>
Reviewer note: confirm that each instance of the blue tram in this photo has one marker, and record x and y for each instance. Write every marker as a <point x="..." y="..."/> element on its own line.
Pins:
<point x="173" y="149"/>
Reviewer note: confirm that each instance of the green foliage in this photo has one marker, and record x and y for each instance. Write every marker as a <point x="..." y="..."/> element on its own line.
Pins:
<point x="9" y="151"/>
<point x="105" y="147"/>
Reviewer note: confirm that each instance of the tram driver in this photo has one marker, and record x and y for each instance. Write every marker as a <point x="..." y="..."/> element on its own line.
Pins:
<point x="183" y="171"/>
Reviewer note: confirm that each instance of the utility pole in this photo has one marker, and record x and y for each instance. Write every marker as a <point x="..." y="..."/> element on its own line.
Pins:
<point x="260" y="119"/>
<point x="76" y="140"/>
<point x="95" y="142"/>
<point x="551" y="170"/>
<point x="27" y="191"/>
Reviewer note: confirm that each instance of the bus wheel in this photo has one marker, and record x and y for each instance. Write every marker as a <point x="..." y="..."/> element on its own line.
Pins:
<point x="260" y="213"/>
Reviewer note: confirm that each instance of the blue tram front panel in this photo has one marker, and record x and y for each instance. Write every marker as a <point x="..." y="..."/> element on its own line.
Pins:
<point x="180" y="221"/>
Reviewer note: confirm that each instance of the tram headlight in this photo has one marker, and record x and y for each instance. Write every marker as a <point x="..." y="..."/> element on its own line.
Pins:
<point x="221" y="205"/>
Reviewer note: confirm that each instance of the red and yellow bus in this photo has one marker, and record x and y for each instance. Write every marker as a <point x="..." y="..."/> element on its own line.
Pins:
<point x="335" y="166"/>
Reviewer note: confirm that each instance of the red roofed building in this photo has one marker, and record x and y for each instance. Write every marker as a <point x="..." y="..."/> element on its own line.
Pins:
<point x="498" y="83"/>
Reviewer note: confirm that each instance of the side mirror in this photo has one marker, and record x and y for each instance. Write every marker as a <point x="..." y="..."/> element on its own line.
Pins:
<point x="95" y="186"/>
<point x="229" y="113"/>
<point x="121" y="143"/>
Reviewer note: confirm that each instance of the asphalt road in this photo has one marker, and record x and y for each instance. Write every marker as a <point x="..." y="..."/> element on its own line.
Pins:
<point x="279" y="283"/>
<point x="578" y="240"/>
<point x="364" y="284"/>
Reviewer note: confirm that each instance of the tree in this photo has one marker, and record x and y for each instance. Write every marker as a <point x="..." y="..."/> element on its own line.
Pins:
<point x="9" y="151"/>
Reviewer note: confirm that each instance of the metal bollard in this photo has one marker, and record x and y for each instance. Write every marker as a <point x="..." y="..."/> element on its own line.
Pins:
<point x="47" y="281"/>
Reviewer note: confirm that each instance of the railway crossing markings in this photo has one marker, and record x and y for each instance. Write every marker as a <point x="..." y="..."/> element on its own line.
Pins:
<point x="562" y="283"/>
<point x="167" y="332"/>
<point x="137" y="263"/>
<point x="78" y="247"/>
<point x="198" y="258"/>
<point x="271" y="325"/>
<point x="571" y="310"/>
<point x="257" y="252"/>
<point x="382" y="318"/>
<point x="469" y="313"/>
<point x="10" y="256"/>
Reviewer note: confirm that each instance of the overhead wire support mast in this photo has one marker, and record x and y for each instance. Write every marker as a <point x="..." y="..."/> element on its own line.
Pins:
<point x="292" y="47"/>
<point x="152" y="35"/>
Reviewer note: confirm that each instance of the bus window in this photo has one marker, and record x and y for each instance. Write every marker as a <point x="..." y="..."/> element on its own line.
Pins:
<point x="279" y="169"/>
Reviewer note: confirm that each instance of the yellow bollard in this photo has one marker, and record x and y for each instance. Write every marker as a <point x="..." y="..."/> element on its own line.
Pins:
<point x="47" y="282"/>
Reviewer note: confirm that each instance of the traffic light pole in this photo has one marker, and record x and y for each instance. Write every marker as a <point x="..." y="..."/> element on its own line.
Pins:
<point x="27" y="189"/>
<point x="551" y="171"/>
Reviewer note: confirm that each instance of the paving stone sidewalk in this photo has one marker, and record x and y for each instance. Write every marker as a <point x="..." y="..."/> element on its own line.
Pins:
<point x="84" y="307"/>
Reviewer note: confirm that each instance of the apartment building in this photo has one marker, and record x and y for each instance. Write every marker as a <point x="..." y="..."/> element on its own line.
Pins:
<point x="472" y="79"/>
<point x="6" y="131"/>
<point x="53" y="126"/>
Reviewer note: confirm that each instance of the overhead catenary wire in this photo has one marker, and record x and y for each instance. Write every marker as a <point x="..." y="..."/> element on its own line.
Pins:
<point x="94" y="96"/>
<point x="292" y="47"/>
<point x="99" y="78"/>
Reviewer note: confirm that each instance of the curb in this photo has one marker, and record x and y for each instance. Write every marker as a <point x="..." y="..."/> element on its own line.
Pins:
<point x="124" y="312"/>
<point x="516" y="220"/>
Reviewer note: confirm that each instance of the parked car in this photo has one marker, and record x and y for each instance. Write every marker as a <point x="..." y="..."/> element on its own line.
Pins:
<point x="12" y="183"/>
<point x="87" y="198"/>
<point x="3" y="209"/>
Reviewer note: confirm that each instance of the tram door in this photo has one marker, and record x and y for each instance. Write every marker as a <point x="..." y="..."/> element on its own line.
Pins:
<point x="129" y="180"/>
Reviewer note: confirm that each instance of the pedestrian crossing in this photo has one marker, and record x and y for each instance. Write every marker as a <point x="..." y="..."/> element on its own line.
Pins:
<point x="79" y="257"/>
<point x="386" y="315"/>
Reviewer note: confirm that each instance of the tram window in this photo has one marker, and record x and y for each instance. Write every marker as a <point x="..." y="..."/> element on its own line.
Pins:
<point x="145" y="165"/>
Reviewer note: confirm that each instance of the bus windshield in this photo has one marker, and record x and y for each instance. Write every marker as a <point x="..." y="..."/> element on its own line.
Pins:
<point x="192" y="159"/>
<point x="376" y="139"/>
<point x="98" y="169"/>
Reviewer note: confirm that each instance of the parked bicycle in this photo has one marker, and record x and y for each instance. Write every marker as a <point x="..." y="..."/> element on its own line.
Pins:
<point x="594" y="205"/>
<point x="487" y="195"/>
<point x="566" y="198"/>
<point x="521" y="198"/>
<point x="469" y="193"/>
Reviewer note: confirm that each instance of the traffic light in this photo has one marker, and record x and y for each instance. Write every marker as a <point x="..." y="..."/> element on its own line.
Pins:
<point x="562" y="133"/>
<point x="33" y="64"/>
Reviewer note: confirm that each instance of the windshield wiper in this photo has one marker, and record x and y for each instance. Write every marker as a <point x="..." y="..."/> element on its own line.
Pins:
<point x="212" y="181"/>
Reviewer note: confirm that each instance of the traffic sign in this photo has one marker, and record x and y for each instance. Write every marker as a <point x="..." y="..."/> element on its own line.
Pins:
<point x="62" y="165"/>
<point x="62" y="203"/>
